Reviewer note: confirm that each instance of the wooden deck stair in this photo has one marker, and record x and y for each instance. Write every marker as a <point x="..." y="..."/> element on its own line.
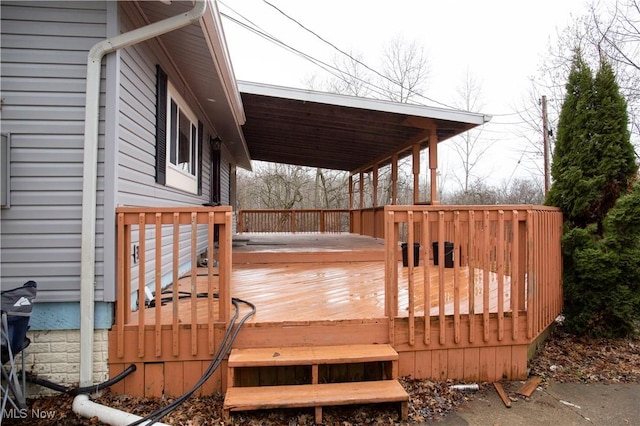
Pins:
<point x="325" y="388"/>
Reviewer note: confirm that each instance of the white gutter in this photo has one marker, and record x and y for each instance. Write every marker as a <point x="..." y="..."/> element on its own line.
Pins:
<point x="86" y="408"/>
<point x="90" y="171"/>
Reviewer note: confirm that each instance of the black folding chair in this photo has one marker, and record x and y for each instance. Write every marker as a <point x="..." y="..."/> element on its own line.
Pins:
<point x="16" y="306"/>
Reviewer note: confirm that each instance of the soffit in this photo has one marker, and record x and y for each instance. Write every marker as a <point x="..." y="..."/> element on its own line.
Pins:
<point x="200" y="57"/>
<point x="339" y="132"/>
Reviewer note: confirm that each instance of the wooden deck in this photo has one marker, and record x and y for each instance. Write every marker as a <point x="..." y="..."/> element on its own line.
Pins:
<point x="315" y="290"/>
<point x="340" y="288"/>
<point x="303" y="248"/>
<point x="327" y="292"/>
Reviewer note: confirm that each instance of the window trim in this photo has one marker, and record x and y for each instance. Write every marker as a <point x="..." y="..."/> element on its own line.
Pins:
<point x="162" y="105"/>
<point x="175" y="176"/>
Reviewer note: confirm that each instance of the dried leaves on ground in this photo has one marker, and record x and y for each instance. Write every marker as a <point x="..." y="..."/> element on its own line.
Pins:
<point x="568" y="358"/>
<point x="562" y="358"/>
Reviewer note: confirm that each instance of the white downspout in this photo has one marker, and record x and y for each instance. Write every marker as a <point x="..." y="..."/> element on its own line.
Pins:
<point x="86" y="408"/>
<point x="89" y="185"/>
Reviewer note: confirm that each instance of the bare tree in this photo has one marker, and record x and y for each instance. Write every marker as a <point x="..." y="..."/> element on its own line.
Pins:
<point x="405" y="69"/>
<point x="273" y="186"/>
<point x="331" y="189"/>
<point x="617" y="37"/>
<point x="471" y="146"/>
<point x="518" y="191"/>
<point x="351" y="77"/>
<point x="285" y="186"/>
<point x="611" y="33"/>
<point x="522" y="191"/>
<point x="478" y="193"/>
<point x="620" y="32"/>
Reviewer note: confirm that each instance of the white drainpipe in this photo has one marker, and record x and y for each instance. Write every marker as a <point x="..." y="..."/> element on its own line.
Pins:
<point x="89" y="185"/>
<point x="86" y="408"/>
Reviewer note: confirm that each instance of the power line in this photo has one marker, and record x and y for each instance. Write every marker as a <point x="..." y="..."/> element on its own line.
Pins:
<point x="332" y="45"/>
<point x="325" y="66"/>
<point x="378" y="90"/>
<point x="335" y="71"/>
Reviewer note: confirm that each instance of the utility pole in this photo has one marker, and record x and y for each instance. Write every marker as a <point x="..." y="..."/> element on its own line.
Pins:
<point x="545" y="141"/>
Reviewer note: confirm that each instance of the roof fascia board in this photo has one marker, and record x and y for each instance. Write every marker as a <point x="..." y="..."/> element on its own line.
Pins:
<point x="211" y="26"/>
<point x="363" y="103"/>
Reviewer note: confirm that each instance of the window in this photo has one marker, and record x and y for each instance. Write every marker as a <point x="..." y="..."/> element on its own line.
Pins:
<point x="182" y="129"/>
<point x="178" y="140"/>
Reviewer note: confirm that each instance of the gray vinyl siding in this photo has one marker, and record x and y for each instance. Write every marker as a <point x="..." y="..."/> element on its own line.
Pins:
<point x="136" y="184"/>
<point x="44" y="48"/>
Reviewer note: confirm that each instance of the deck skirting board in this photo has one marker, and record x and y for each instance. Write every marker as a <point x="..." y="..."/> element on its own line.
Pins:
<point x="479" y="360"/>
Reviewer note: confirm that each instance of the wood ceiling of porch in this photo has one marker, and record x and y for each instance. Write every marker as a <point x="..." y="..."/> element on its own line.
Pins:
<point x="336" y="136"/>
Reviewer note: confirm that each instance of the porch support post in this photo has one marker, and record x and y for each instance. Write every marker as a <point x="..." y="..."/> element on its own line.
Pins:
<point x="350" y="192"/>
<point x="375" y="185"/>
<point x="361" y="184"/>
<point x="433" y="165"/>
<point x="376" y="232"/>
<point x="416" y="173"/>
<point x="394" y="179"/>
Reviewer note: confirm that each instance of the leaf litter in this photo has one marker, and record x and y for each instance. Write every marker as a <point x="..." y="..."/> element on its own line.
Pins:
<point x="562" y="358"/>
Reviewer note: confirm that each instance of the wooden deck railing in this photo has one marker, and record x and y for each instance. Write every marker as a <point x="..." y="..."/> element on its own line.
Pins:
<point x="168" y="242"/>
<point x="513" y="266"/>
<point x="368" y="221"/>
<point x="294" y="221"/>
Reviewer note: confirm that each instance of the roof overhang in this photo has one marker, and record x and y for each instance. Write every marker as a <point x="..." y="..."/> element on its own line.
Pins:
<point x="339" y="132"/>
<point x="199" y="53"/>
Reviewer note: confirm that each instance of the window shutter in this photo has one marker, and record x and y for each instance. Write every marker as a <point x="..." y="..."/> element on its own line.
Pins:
<point x="200" y="138"/>
<point x="161" y="125"/>
<point x="216" y="155"/>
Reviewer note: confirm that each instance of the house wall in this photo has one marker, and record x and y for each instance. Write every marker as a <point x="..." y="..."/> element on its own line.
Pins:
<point x="55" y="355"/>
<point x="44" y="48"/>
<point x="135" y="157"/>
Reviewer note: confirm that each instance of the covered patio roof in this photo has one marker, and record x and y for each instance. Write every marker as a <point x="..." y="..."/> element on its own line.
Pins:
<point x="339" y="132"/>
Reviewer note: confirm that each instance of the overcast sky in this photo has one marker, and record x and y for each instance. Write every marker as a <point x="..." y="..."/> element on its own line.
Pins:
<point x="500" y="42"/>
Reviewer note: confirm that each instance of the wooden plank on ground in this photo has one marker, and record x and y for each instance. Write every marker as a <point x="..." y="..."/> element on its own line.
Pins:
<point x="529" y="386"/>
<point x="503" y="395"/>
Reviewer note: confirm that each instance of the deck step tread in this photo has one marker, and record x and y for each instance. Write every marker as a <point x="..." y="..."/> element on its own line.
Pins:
<point x="343" y="354"/>
<point x="323" y="394"/>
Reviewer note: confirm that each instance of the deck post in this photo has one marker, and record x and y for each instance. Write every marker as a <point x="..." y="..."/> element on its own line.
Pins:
<point x="416" y="173"/>
<point x="224" y="292"/>
<point x="350" y="192"/>
<point x="375" y="186"/>
<point x="433" y="165"/>
<point x="394" y="179"/>
<point x="361" y="189"/>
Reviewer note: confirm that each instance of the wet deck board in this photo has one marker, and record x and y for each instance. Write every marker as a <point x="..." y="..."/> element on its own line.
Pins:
<point x="330" y="291"/>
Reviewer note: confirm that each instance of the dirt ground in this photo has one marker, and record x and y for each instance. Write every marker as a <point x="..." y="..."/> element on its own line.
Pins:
<point x="563" y="358"/>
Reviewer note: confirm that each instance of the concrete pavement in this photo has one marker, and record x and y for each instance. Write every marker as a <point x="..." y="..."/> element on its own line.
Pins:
<point x="556" y="404"/>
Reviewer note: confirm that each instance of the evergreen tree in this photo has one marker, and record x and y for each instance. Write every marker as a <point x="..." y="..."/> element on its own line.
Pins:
<point x="611" y="149"/>
<point x="572" y="190"/>
<point x="593" y="160"/>
<point x="602" y="276"/>
<point x="593" y="165"/>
